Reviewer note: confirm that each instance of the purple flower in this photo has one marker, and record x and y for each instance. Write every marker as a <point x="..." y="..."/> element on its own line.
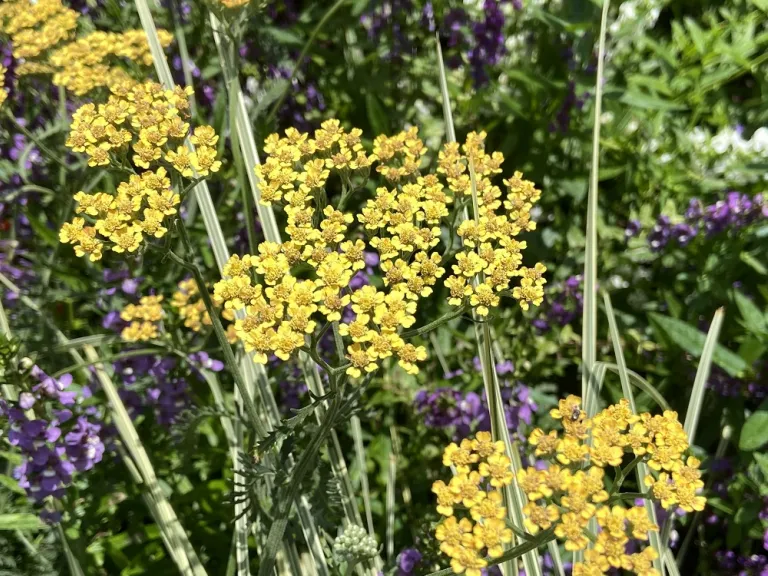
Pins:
<point x="202" y="359"/>
<point x="633" y="229"/>
<point x="407" y="561"/>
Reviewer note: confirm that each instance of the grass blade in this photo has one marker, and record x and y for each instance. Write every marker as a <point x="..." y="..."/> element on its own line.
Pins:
<point x="390" y="505"/>
<point x="641" y="471"/>
<point x="589" y="320"/>
<point x="72" y="562"/>
<point x="638" y="381"/>
<point x="185" y="555"/>
<point x="357" y="436"/>
<point x="702" y="375"/>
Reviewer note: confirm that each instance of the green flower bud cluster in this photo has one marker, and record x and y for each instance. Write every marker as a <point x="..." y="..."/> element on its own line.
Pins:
<point x="355" y="545"/>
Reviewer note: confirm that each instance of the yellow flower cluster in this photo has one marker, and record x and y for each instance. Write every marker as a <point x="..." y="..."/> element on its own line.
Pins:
<point x="491" y="255"/>
<point x="144" y="125"/>
<point x="566" y="496"/>
<point x="85" y="64"/>
<point x="401" y="223"/>
<point x="144" y="317"/>
<point x="482" y="470"/>
<point x="190" y="307"/>
<point x="3" y="91"/>
<point x="38" y="30"/>
<point x="35" y="27"/>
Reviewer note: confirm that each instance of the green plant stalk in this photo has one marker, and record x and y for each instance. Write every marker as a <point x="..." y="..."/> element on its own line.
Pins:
<point x="357" y="437"/>
<point x="696" y="400"/>
<point x="513" y="496"/>
<point x="589" y="330"/>
<point x="186" y="557"/>
<point x="290" y="492"/>
<point x="304" y="51"/>
<point x="390" y="505"/>
<point x="72" y="562"/>
<point x="641" y="471"/>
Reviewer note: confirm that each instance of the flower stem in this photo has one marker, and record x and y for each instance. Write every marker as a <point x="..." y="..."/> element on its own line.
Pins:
<point x="447" y="317"/>
<point x="221" y="335"/>
<point x="624" y="473"/>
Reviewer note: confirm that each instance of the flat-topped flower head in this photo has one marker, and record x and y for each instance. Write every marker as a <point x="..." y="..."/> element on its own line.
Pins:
<point x="574" y="489"/>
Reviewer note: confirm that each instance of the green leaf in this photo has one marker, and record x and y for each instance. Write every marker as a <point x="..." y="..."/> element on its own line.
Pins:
<point x="11" y="484"/>
<point x="762" y="461"/>
<point x="21" y="522"/>
<point x="754" y="434"/>
<point x="753" y="263"/>
<point x="283" y="36"/>
<point x="692" y="341"/>
<point x="753" y="317"/>
<point x="376" y="115"/>
<point x="697" y="35"/>
<point x="640" y="100"/>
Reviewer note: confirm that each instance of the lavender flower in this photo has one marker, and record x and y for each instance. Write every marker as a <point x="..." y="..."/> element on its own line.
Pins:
<point x="407" y="561"/>
<point x="53" y="449"/>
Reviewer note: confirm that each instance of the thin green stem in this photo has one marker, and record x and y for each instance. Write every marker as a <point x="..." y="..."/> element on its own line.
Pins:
<point x="628" y="496"/>
<point x="447" y="317"/>
<point x="43" y="148"/>
<point x="302" y="55"/>
<point x="218" y="328"/>
<point x="623" y="473"/>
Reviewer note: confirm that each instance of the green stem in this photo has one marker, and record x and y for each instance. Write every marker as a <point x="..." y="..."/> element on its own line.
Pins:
<point x="338" y="342"/>
<point x="624" y="473"/>
<point x="43" y="148"/>
<point x="289" y="493"/>
<point x="447" y="317"/>
<point x="218" y="328"/>
<point x="304" y="51"/>
<point x="628" y="496"/>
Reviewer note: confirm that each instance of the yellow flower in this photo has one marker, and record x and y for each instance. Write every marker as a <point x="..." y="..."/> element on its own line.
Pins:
<point x="498" y="468"/>
<point x="488" y="505"/>
<point x="181" y="161"/>
<point x="539" y="517"/>
<point x="571" y="451"/>
<point x="571" y="529"/>
<point x="466" y="488"/>
<point x="492" y="534"/>
<point x="484" y="445"/>
<point x="466" y="560"/>
<point x="361" y="360"/>
<point x="408" y="355"/>
<point x="204" y="161"/>
<point x="545" y="444"/>
<point x="640" y="523"/>
<point x="446" y="498"/>
<point x="460" y="456"/>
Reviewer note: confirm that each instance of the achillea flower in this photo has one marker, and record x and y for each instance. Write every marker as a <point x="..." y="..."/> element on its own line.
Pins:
<point x="152" y="121"/>
<point x="581" y="495"/>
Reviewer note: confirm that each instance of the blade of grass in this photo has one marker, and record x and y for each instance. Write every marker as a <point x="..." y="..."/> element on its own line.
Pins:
<point x="696" y="400"/>
<point x="357" y="437"/>
<point x="390" y="505"/>
<point x="513" y="495"/>
<point x="693" y="413"/>
<point x="589" y="320"/>
<point x="641" y="471"/>
<point x="640" y="382"/>
<point x="72" y="562"/>
<point x="189" y="563"/>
